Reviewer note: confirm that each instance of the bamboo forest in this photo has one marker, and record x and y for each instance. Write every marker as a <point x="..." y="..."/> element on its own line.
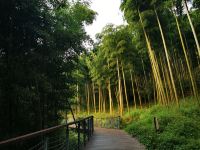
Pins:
<point x="145" y="72"/>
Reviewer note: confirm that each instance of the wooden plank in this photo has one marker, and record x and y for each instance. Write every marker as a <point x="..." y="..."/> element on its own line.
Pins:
<point x="112" y="139"/>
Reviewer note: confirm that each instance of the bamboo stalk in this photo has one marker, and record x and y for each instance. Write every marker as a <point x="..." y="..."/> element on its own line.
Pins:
<point x="145" y="77"/>
<point x="99" y="98"/>
<point x="168" y="96"/>
<point x="138" y="91"/>
<point x="161" y="92"/>
<point x="102" y="99"/>
<point x="120" y="90"/>
<point x="77" y="99"/>
<point x="155" y="69"/>
<point x="117" y="97"/>
<point x="110" y="97"/>
<point x="125" y="91"/>
<point x="167" y="57"/>
<point x="94" y="98"/>
<point x="186" y="58"/>
<point x="192" y="27"/>
<point x="104" y="102"/>
<point x="133" y="90"/>
<point x="88" y="99"/>
<point x="86" y="96"/>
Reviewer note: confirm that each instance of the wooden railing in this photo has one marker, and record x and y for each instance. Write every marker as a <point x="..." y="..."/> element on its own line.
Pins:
<point x="108" y="122"/>
<point x="83" y="129"/>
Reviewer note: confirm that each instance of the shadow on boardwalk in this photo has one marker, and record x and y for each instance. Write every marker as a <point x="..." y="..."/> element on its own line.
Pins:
<point x="112" y="139"/>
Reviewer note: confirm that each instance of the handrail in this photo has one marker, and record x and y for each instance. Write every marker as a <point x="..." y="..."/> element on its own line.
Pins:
<point x="40" y="132"/>
<point x="30" y="135"/>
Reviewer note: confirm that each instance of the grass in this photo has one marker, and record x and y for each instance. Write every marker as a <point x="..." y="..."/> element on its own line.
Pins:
<point x="179" y="127"/>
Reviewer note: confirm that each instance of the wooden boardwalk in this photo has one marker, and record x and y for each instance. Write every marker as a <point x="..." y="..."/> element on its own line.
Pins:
<point x="112" y="139"/>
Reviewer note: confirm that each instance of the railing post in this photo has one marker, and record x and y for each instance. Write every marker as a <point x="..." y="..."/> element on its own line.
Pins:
<point x="111" y="123"/>
<point x="88" y="128"/>
<point x="78" y="135"/>
<point x="96" y="123"/>
<point x="46" y="143"/>
<point x="84" y="132"/>
<point x="118" y="122"/>
<point x="67" y="137"/>
<point x="92" y="124"/>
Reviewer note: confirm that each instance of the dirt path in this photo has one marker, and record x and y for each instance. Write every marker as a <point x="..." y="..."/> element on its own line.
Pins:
<point x="112" y="139"/>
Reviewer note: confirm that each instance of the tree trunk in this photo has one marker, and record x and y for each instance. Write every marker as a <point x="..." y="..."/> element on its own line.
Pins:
<point x="125" y="91"/>
<point x="160" y="93"/>
<point x="94" y="98"/>
<point x="186" y="58"/>
<point x="77" y="99"/>
<point x="167" y="91"/>
<point x="120" y="90"/>
<point x="88" y="99"/>
<point x="145" y="81"/>
<point x="99" y="98"/>
<point x="192" y="27"/>
<point x="134" y="97"/>
<point x="117" y="97"/>
<point x="104" y="102"/>
<point x="138" y="91"/>
<point x="110" y="97"/>
<point x="168" y="61"/>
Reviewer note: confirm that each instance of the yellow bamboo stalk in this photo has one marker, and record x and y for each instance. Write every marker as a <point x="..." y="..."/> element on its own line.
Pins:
<point x="160" y="89"/>
<point x="133" y="90"/>
<point x="117" y="97"/>
<point x="110" y="94"/>
<point x="186" y="58"/>
<point x="99" y="98"/>
<point x="77" y="99"/>
<point x="125" y="91"/>
<point x="165" y="82"/>
<point x="88" y="99"/>
<point x="94" y="98"/>
<point x="178" y="68"/>
<point x="192" y="27"/>
<point x="155" y="69"/>
<point x="184" y="73"/>
<point x="120" y="90"/>
<point x="168" y="61"/>
<point x="110" y="97"/>
<point x="138" y="91"/>
<point x="104" y="102"/>
<point x="154" y="90"/>
<point x="170" y="86"/>
<point x="179" y="79"/>
<point x="145" y="79"/>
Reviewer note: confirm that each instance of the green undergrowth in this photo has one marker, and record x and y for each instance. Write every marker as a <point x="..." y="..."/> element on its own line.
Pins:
<point x="179" y="127"/>
<point x="97" y="115"/>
